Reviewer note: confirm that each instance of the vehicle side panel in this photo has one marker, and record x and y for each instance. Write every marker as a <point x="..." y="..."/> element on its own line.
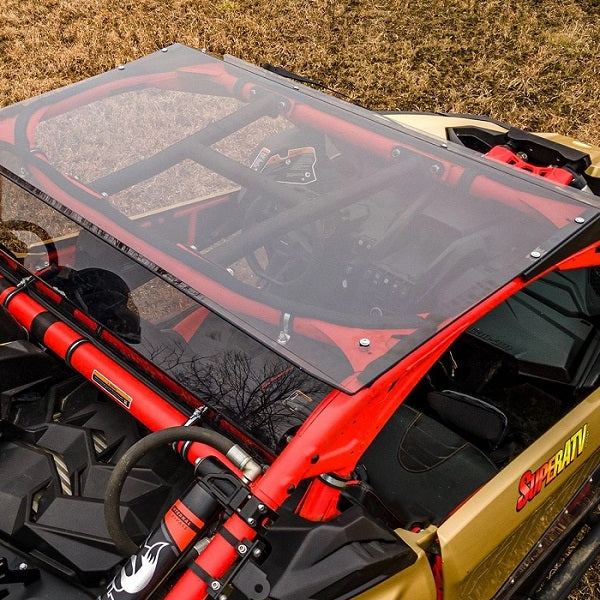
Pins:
<point x="487" y="538"/>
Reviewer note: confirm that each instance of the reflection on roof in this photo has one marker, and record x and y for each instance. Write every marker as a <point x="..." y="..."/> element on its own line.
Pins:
<point x="330" y="235"/>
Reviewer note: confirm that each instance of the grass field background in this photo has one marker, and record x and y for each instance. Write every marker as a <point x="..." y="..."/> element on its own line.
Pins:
<point x="530" y="63"/>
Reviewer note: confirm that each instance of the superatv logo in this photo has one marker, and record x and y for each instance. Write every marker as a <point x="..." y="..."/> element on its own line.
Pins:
<point x="532" y="483"/>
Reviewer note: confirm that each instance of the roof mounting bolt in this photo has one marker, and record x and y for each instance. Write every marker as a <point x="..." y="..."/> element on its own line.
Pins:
<point x="251" y="521"/>
<point x="215" y="585"/>
<point x="23" y="566"/>
<point x="364" y="342"/>
<point x="164" y="49"/>
<point x="121" y="67"/>
<point x="396" y="152"/>
<point x="262" y="508"/>
<point x="579" y="220"/>
<point x="242" y="549"/>
<point x="535" y="254"/>
<point x="445" y="146"/>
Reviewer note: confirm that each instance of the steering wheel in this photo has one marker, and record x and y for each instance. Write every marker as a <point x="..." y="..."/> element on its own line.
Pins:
<point x="16" y="245"/>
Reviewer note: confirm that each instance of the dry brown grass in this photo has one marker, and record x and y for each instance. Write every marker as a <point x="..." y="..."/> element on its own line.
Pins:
<point x="530" y="63"/>
<point x="534" y="64"/>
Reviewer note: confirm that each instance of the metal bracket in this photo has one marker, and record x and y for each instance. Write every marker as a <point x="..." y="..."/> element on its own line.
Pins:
<point x="194" y="419"/>
<point x="247" y="577"/>
<point x="236" y="497"/>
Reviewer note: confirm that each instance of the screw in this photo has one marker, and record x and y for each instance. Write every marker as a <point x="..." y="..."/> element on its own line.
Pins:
<point x="256" y="552"/>
<point x="251" y="521"/>
<point x="215" y="585"/>
<point x="535" y="254"/>
<point x="164" y="49"/>
<point x="364" y="342"/>
<point x="396" y="152"/>
<point x="222" y="596"/>
<point x="262" y="508"/>
<point x="444" y="145"/>
<point x="436" y="169"/>
<point x="121" y="68"/>
<point x="579" y="220"/>
<point x="242" y="549"/>
<point x="23" y="566"/>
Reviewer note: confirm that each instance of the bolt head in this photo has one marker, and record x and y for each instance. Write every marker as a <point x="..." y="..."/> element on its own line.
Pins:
<point x="256" y="552"/>
<point x="23" y="566"/>
<point x="242" y="549"/>
<point x="579" y="220"/>
<point x="535" y="254"/>
<point x="251" y="521"/>
<point x="364" y="342"/>
<point x="215" y="585"/>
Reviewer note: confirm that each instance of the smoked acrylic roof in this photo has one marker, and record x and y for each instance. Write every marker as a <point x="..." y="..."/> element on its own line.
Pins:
<point x="335" y="237"/>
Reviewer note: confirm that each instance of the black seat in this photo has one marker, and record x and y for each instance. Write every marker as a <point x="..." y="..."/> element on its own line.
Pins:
<point x="421" y="470"/>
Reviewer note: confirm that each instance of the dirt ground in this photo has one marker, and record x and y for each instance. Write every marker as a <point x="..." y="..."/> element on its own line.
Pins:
<point x="529" y="63"/>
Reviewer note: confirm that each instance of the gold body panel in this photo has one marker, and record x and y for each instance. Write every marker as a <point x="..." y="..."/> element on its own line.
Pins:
<point x="436" y="125"/>
<point x="485" y="540"/>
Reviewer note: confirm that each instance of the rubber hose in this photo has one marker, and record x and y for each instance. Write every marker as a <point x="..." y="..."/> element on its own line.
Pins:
<point x="112" y="499"/>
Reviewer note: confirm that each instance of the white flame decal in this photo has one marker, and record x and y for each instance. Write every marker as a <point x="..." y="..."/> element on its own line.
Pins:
<point x="141" y="569"/>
